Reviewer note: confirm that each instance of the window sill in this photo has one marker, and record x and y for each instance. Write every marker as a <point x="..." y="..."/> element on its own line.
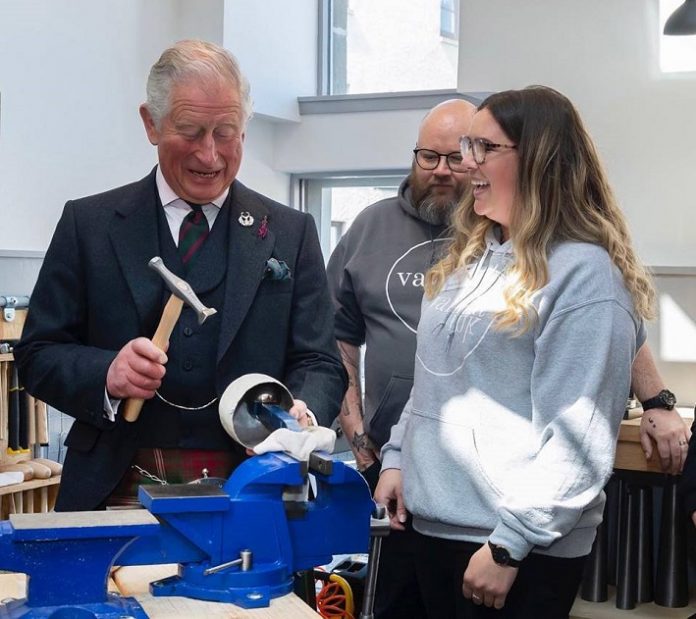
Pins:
<point x="383" y="102"/>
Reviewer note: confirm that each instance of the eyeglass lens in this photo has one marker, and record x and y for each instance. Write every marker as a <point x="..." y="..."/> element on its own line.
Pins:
<point x="430" y="159"/>
<point x="476" y="147"/>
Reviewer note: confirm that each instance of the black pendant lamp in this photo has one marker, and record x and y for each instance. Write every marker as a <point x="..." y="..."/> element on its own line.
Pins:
<point x="683" y="20"/>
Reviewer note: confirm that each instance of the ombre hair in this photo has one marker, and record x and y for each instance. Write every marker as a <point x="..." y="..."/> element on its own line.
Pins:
<point x="562" y="195"/>
<point x="191" y="59"/>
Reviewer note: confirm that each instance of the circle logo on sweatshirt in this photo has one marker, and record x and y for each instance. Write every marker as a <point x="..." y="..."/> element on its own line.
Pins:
<point x="404" y="283"/>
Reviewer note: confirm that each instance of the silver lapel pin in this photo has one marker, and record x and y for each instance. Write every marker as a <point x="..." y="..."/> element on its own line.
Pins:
<point x="245" y="219"/>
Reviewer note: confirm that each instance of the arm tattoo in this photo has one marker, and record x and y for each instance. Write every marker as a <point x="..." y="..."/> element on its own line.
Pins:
<point x="361" y="441"/>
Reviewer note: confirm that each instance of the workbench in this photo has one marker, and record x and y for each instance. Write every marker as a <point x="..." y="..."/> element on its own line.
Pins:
<point x="133" y="581"/>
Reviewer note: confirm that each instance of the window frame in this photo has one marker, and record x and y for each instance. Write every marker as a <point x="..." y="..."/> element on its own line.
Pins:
<point x="324" y="68"/>
<point x="308" y="188"/>
<point x="450" y="35"/>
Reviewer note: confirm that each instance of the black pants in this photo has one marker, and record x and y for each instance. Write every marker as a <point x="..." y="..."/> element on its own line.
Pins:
<point x="397" y="595"/>
<point x="545" y="587"/>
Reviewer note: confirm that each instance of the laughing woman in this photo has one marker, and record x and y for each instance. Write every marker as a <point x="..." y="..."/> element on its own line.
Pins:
<point x="528" y="331"/>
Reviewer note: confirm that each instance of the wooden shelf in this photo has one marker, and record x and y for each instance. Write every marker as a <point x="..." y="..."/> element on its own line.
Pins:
<point x="29" y="485"/>
<point x="29" y="497"/>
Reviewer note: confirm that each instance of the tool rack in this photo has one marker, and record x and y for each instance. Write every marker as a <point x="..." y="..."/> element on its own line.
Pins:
<point x="36" y="495"/>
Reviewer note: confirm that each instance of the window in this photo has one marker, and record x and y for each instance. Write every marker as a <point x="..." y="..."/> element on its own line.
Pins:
<point x="448" y="18"/>
<point x="380" y="46"/>
<point x="335" y="201"/>
<point x="677" y="53"/>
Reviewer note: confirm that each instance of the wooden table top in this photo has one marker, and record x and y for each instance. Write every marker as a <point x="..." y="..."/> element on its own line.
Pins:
<point x="134" y="581"/>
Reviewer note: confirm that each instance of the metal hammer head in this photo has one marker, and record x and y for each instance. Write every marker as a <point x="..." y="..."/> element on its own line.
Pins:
<point x="182" y="290"/>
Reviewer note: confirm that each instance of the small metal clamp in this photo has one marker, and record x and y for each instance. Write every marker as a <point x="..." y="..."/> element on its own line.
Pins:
<point x="8" y="311"/>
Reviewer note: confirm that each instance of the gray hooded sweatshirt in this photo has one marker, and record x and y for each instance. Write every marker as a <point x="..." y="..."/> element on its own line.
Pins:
<point x="509" y="438"/>
<point x="376" y="278"/>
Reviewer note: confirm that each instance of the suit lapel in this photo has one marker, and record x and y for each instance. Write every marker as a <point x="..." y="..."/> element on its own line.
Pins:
<point x="246" y="263"/>
<point x="134" y="238"/>
<point x="133" y="235"/>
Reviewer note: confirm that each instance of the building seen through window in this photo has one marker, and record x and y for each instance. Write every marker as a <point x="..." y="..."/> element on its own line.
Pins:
<point x="448" y="18"/>
<point x="391" y="46"/>
<point x="335" y="202"/>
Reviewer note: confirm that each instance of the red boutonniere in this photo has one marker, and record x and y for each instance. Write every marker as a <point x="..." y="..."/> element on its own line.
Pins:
<point x="263" y="228"/>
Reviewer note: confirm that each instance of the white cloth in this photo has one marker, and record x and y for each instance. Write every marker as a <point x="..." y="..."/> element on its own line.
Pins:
<point x="11" y="477"/>
<point x="298" y="444"/>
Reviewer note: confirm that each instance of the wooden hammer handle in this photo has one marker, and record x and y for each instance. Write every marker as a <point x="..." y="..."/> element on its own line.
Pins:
<point x="171" y="313"/>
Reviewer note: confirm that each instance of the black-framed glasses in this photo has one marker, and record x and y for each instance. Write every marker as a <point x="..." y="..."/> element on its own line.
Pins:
<point x="478" y="147"/>
<point x="430" y="159"/>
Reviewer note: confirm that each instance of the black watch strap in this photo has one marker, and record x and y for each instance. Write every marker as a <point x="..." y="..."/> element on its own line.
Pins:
<point x="665" y="399"/>
<point x="501" y="556"/>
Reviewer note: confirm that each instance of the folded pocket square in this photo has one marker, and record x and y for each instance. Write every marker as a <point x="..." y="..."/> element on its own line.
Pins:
<point x="277" y="270"/>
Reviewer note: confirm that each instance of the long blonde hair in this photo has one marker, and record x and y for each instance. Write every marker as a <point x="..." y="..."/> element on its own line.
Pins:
<point x="562" y="194"/>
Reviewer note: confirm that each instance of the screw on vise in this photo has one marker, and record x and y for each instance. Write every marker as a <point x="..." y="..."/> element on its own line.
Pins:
<point x="244" y="561"/>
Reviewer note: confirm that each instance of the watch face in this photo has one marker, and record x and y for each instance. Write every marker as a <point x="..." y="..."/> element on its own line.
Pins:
<point x="668" y="398"/>
<point x="500" y="555"/>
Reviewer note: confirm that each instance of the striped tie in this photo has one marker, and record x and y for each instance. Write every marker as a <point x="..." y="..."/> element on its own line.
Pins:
<point x="192" y="234"/>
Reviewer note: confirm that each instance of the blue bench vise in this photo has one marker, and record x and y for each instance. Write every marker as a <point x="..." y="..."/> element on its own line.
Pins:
<point x="238" y="543"/>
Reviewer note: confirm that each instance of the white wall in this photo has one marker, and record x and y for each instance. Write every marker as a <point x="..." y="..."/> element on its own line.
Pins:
<point x="605" y="56"/>
<point x="257" y="171"/>
<point x="72" y="75"/>
<point x="357" y="141"/>
<point x="275" y="42"/>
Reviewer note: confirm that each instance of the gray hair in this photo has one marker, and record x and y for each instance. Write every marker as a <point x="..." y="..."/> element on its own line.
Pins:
<point x="193" y="59"/>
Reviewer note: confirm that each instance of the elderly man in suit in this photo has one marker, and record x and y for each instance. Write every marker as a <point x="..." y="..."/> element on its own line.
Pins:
<point x="86" y="345"/>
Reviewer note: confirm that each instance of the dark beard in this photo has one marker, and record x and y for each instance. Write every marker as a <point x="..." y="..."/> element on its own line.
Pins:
<point x="432" y="211"/>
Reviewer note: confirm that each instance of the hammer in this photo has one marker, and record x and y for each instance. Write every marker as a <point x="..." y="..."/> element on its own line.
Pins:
<point x="181" y="293"/>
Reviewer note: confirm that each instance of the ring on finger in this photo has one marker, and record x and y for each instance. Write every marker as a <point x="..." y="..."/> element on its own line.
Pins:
<point x="683" y="443"/>
<point x="476" y="598"/>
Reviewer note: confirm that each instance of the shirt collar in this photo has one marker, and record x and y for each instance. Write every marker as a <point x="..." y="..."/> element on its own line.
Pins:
<point x="168" y="196"/>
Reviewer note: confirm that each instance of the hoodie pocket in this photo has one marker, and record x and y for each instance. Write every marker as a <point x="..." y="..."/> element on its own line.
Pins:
<point x="390" y="408"/>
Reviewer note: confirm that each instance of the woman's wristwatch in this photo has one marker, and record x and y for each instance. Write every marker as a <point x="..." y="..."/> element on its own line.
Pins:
<point x="501" y="556"/>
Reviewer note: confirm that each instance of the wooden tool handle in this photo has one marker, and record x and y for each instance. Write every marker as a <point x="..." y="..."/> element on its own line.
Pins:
<point x="171" y="313"/>
<point x="4" y="397"/>
<point x="41" y="410"/>
<point x="31" y="419"/>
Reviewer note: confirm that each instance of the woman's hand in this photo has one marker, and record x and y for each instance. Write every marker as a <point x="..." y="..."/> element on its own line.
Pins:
<point x="486" y="582"/>
<point x="389" y="494"/>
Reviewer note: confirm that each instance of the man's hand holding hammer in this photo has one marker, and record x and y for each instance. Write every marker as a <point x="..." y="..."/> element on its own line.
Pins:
<point x="137" y="371"/>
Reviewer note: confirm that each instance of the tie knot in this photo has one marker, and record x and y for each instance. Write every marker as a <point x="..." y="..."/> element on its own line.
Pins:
<point x="196" y="215"/>
<point x="192" y="233"/>
<point x="196" y="207"/>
